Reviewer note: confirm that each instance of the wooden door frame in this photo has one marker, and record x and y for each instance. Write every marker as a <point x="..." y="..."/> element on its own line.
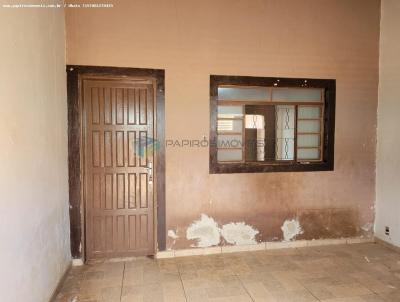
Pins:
<point x="76" y="154"/>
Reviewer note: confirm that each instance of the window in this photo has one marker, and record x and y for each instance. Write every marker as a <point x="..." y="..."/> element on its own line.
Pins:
<point x="271" y="124"/>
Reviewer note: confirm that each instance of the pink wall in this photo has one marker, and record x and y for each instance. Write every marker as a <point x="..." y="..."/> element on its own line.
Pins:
<point x="336" y="39"/>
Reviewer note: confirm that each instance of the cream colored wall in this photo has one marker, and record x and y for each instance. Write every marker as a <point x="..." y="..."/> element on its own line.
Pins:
<point x="388" y="160"/>
<point x="336" y="39"/>
<point x="34" y="224"/>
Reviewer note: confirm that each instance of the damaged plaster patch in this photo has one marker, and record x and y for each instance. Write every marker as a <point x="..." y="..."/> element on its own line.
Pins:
<point x="367" y="227"/>
<point x="239" y="233"/>
<point x="205" y="231"/>
<point x="290" y="229"/>
<point x="172" y="234"/>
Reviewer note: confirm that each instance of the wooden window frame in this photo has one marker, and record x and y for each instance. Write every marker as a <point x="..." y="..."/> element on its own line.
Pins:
<point x="327" y="133"/>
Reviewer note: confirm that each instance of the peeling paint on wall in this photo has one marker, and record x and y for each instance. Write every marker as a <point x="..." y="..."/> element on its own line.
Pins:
<point x="205" y="231"/>
<point x="239" y="233"/>
<point x="172" y="234"/>
<point x="290" y="229"/>
<point x="367" y="227"/>
<point x="208" y="233"/>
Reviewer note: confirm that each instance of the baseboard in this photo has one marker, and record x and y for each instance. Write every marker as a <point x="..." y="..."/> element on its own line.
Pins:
<point x="60" y="283"/>
<point x="77" y="262"/>
<point x="259" y="247"/>
<point x="387" y="244"/>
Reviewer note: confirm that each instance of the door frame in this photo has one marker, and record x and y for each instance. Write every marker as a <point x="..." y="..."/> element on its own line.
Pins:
<point x="76" y="151"/>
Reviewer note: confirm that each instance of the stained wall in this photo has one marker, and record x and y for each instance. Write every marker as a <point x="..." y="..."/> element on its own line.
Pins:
<point x="335" y="39"/>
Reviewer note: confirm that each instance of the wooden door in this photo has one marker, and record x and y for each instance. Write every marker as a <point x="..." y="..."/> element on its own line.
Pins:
<point x="119" y="148"/>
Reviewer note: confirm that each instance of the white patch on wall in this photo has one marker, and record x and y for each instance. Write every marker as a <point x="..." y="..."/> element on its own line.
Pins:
<point x="290" y="229"/>
<point x="172" y="234"/>
<point x="367" y="227"/>
<point x="239" y="233"/>
<point x="205" y="231"/>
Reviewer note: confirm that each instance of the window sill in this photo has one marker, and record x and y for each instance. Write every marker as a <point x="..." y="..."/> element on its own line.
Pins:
<point x="265" y="167"/>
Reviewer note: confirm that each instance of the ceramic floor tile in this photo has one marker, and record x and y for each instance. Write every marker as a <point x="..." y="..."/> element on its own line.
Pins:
<point x="341" y="273"/>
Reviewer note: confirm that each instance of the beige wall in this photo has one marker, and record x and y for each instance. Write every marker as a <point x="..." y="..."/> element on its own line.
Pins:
<point x="34" y="224"/>
<point x="336" y="39"/>
<point x="388" y="161"/>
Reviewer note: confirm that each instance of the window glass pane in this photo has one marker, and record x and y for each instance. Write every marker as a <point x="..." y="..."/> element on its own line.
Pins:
<point x="285" y="116"/>
<point x="308" y="126"/>
<point x="244" y="93"/>
<point x="311" y="154"/>
<point x="309" y="112"/>
<point x="230" y="126"/>
<point x="230" y="111"/>
<point x="260" y="133"/>
<point x="229" y="155"/>
<point x="254" y="121"/>
<point x="285" y="149"/>
<point x="309" y="140"/>
<point x="296" y="94"/>
<point x="229" y="141"/>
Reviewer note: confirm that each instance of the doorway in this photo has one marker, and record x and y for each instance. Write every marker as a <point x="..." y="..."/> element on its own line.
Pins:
<point x="121" y="161"/>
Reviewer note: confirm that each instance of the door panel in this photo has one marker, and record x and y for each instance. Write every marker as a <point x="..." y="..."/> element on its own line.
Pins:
<point x="119" y="199"/>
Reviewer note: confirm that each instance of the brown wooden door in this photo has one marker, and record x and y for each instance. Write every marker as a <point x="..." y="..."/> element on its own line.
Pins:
<point x="119" y="166"/>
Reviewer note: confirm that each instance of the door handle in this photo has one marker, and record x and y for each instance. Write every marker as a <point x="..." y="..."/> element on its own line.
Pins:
<point x="150" y="172"/>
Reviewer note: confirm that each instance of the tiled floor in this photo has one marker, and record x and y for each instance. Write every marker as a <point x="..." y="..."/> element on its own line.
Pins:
<point x="342" y="273"/>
